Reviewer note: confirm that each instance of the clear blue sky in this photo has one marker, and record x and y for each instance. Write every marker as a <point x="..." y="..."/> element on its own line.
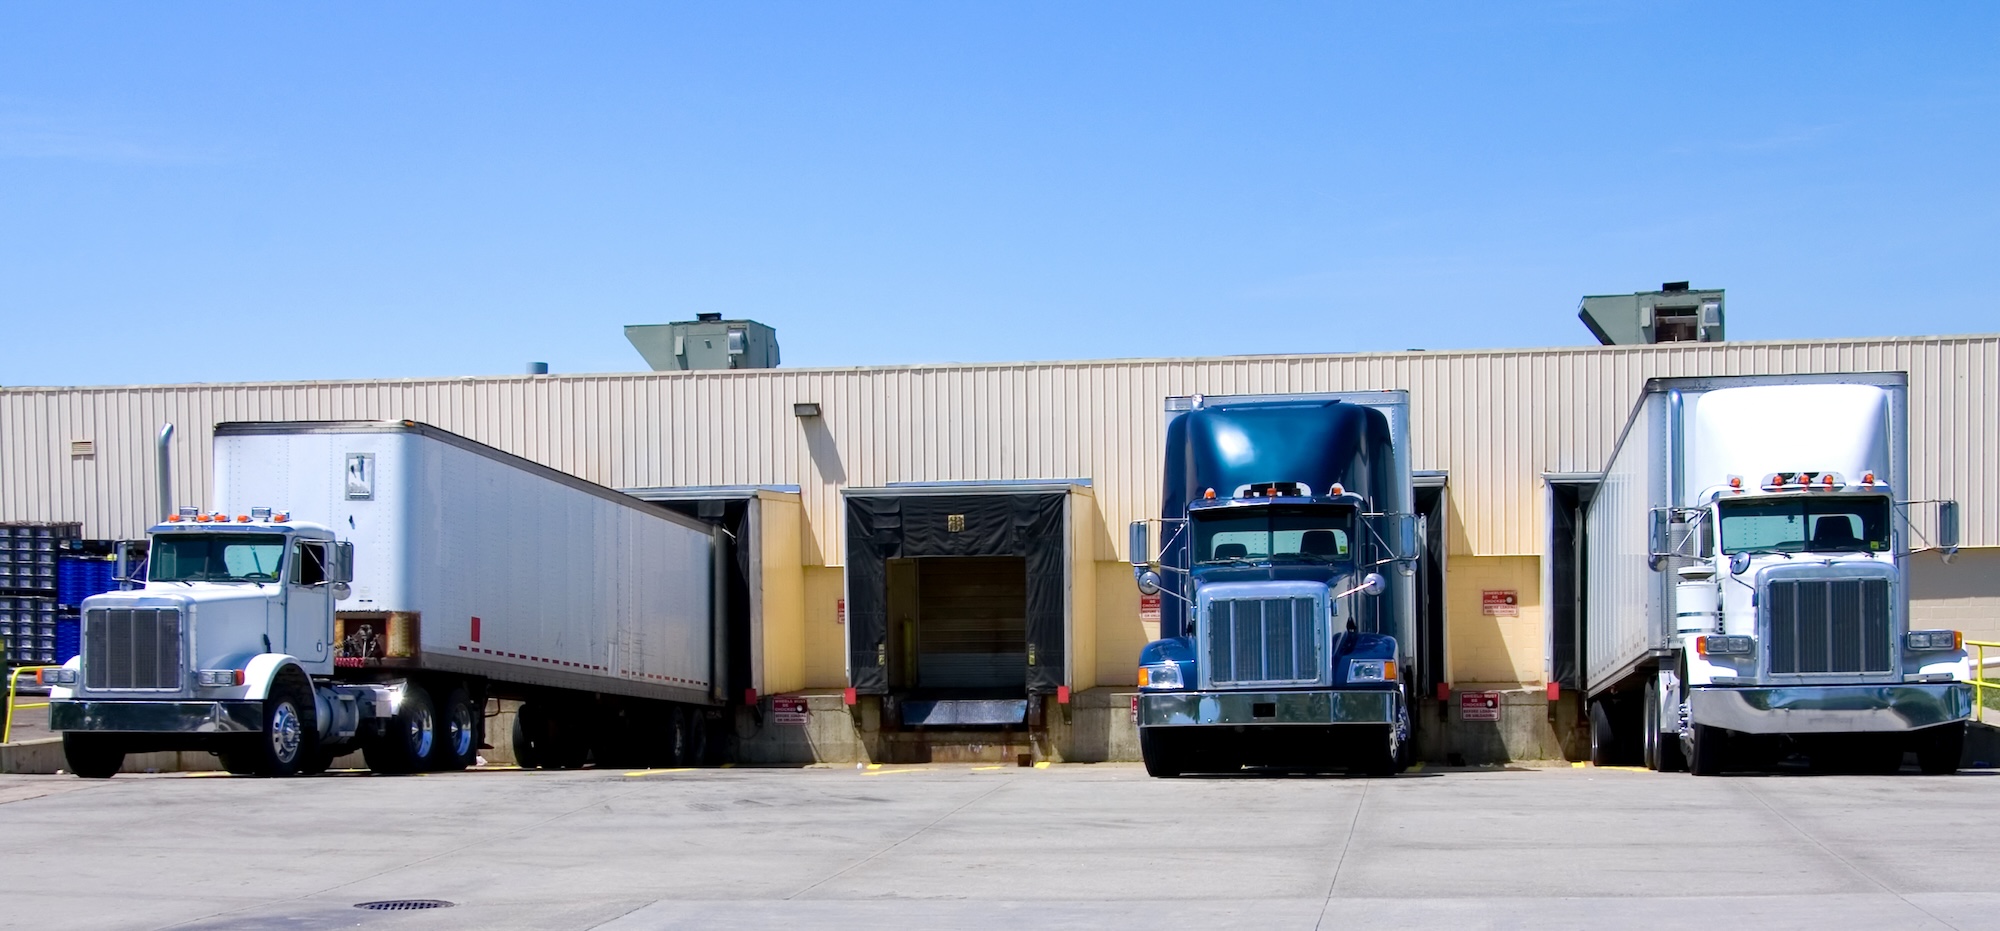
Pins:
<point x="217" y="191"/>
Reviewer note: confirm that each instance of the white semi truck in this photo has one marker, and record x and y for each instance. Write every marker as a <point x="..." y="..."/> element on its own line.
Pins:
<point x="1746" y="593"/>
<point x="370" y="585"/>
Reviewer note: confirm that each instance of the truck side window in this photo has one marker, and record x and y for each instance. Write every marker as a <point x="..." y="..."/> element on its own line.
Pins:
<point x="311" y="564"/>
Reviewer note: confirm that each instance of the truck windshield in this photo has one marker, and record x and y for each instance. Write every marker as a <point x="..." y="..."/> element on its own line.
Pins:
<point x="1311" y="534"/>
<point x="1844" y="524"/>
<point x="234" y="557"/>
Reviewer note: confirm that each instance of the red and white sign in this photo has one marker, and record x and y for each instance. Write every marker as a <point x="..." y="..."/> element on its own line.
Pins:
<point x="789" y="709"/>
<point x="1479" y="706"/>
<point x="840" y="611"/>
<point x="1149" y="608"/>
<point x="1498" y="603"/>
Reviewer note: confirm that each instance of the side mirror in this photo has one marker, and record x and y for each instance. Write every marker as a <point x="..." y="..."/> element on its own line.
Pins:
<point x="1658" y="547"/>
<point x="1139" y="541"/>
<point x="1149" y="581"/>
<point x="1948" y="527"/>
<point x="1374" y="584"/>
<point x="342" y="569"/>
<point x="1739" y="562"/>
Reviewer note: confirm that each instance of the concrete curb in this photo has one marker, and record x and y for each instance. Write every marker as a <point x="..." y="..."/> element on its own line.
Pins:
<point x="45" y="757"/>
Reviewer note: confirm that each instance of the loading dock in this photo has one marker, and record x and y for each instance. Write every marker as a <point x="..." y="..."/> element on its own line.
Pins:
<point x="961" y="599"/>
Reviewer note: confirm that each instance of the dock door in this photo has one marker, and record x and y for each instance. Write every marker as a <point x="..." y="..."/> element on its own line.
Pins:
<point x="959" y="598"/>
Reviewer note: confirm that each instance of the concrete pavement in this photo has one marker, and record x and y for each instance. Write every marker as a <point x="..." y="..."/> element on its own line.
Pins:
<point x="992" y="847"/>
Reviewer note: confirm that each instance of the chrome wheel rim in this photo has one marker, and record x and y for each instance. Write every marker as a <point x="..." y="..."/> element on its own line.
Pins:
<point x="461" y="731"/>
<point x="287" y="732"/>
<point x="421" y="733"/>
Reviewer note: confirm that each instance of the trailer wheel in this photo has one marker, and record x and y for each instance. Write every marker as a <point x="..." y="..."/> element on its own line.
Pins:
<point x="1602" y="740"/>
<point x="1663" y="754"/>
<point x="407" y="738"/>
<point x="457" y="742"/>
<point x="1941" y="747"/>
<point x="1165" y="754"/>
<point x="1707" y="750"/>
<point x="92" y="756"/>
<point x="529" y="736"/>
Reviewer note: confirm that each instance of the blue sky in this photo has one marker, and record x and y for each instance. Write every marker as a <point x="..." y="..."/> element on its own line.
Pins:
<point x="219" y="192"/>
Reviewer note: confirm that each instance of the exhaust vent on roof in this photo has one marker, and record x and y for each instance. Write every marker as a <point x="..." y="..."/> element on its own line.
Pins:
<point x="1673" y="314"/>
<point x="706" y="342"/>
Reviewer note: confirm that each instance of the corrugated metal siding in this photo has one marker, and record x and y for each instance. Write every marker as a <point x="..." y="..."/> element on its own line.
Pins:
<point x="1494" y="419"/>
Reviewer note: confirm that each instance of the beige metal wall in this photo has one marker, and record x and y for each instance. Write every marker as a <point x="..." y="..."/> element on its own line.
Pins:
<point x="1494" y="420"/>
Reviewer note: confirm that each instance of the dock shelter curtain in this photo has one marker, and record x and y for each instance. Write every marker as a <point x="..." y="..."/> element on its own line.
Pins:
<point x="885" y="527"/>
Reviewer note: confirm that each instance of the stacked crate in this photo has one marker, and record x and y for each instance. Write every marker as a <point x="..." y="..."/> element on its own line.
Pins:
<point x="83" y="568"/>
<point x="29" y="555"/>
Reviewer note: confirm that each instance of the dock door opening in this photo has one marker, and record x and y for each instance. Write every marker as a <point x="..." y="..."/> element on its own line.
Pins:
<point x="958" y="594"/>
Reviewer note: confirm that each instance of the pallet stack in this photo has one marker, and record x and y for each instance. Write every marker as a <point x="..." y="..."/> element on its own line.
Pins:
<point x="29" y="556"/>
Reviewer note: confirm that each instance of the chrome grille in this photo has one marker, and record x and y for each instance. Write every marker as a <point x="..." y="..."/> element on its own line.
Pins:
<point x="1828" y="626"/>
<point x="1263" y="641"/>
<point x="132" y="648"/>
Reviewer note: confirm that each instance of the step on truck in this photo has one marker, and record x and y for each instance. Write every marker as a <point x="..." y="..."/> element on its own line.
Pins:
<point x="371" y="585"/>
<point x="1746" y="596"/>
<point x="1284" y="573"/>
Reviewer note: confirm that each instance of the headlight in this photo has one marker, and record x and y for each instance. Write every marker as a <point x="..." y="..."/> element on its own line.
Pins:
<point x="219" y="677"/>
<point x="1160" y="676"/>
<point x="1926" y="641"/>
<point x="1722" y="646"/>
<point x="55" y="677"/>
<point x="1371" y="670"/>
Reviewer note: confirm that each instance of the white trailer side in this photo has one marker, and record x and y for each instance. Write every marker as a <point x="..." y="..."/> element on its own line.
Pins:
<point x="482" y="563"/>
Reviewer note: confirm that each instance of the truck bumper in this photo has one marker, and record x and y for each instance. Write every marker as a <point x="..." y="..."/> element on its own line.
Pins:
<point x="158" y="717"/>
<point x="1831" y="709"/>
<point x="1200" y="709"/>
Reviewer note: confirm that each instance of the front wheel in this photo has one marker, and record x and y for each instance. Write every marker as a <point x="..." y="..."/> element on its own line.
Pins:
<point x="289" y="739"/>
<point x="1707" y="750"/>
<point x="1942" y="746"/>
<point x="92" y="756"/>
<point x="1164" y="754"/>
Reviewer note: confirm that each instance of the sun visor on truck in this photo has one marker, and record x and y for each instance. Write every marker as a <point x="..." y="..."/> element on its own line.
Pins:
<point x="881" y="528"/>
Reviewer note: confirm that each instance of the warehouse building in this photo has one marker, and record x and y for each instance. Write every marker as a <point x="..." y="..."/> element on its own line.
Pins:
<point x="914" y="532"/>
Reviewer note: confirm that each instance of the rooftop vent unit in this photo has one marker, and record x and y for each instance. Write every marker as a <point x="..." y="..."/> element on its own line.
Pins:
<point x="1673" y="314"/>
<point x="706" y="342"/>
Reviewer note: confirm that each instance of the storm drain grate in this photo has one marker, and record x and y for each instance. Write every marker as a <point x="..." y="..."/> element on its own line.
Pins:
<point x="403" y="905"/>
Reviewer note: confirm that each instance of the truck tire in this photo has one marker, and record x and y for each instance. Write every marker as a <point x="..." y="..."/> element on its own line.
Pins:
<point x="1939" y="751"/>
<point x="457" y="743"/>
<point x="1708" y="750"/>
<point x="408" y="738"/>
<point x="1602" y="741"/>
<point x="1663" y="750"/>
<point x="1382" y="757"/>
<point x="92" y="756"/>
<point x="1164" y="753"/>
<point x="530" y="736"/>
<point x="290" y="736"/>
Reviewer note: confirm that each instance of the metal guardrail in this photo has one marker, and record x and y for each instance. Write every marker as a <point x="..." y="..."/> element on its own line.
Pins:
<point x="1981" y="681"/>
<point x="13" y="684"/>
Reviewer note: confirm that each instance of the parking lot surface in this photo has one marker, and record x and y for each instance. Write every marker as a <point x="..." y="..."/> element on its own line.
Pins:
<point x="990" y="847"/>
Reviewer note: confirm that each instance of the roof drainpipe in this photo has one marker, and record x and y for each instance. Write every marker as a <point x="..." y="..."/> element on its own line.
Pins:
<point x="165" y="472"/>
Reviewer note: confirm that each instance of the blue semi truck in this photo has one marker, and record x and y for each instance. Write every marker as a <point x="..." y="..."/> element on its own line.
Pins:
<point x="1285" y="571"/>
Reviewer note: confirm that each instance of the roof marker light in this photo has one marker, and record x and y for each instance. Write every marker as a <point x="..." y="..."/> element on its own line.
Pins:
<point x="1338" y="490"/>
<point x="280" y="518"/>
<point x="1867" y="478"/>
<point x="242" y="518"/>
<point x="1827" y="479"/>
<point x="1736" y="483"/>
<point x="201" y="518"/>
<point x="1208" y="495"/>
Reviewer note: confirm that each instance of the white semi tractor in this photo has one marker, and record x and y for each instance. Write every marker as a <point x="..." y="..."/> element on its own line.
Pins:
<point x="1746" y="595"/>
<point x="370" y="585"/>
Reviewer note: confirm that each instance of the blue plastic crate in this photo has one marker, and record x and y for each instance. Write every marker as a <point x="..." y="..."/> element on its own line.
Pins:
<point x="69" y="638"/>
<point x="79" y="577"/>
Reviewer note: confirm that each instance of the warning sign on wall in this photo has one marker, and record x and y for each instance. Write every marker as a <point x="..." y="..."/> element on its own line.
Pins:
<point x="1494" y="602"/>
<point x="789" y="709"/>
<point x="1149" y="608"/>
<point x="840" y="611"/>
<point x="1479" y="706"/>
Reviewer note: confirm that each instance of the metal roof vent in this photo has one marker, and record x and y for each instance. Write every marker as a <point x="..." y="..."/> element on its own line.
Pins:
<point x="706" y="342"/>
<point x="1674" y="314"/>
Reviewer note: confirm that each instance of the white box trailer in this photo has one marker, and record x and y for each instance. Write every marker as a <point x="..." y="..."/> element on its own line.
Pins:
<point x="473" y="574"/>
<point x="1746" y="582"/>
